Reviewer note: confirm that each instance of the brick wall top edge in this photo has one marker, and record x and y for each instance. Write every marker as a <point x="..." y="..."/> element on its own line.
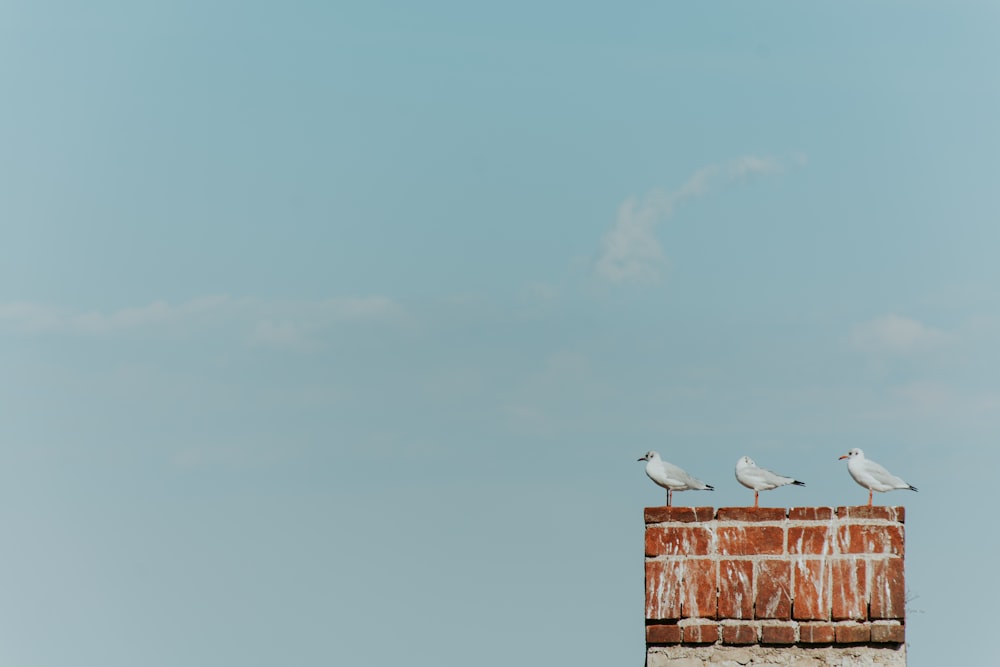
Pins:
<point x="810" y="513"/>
<point x="885" y="512"/>
<point x="681" y="514"/>
<point x="895" y="514"/>
<point x="751" y="513"/>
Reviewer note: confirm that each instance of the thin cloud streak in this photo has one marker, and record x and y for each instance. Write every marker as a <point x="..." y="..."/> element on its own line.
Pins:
<point x="896" y="334"/>
<point x="269" y="322"/>
<point x="631" y="252"/>
<point x="30" y="318"/>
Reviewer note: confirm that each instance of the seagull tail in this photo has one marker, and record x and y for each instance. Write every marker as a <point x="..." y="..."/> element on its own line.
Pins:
<point x="912" y="488"/>
<point x="798" y="483"/>
<point x="709" y="487"/>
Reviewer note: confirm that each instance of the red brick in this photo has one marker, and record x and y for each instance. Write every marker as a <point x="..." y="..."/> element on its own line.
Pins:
<point x="739" y="633"/>
<point x="663" y="589"/>
<point x="810" y="513"/>
<point x="751" y="540"/>
<point x="848" y="581"/>
<point x="777" y="634"/>
<point x="704" y="513"/>
<point x="774" y="589"/>
<point x="681" y="514"/>
<point x="663" y="634"/>
<point x="888" y="634"/>
<point x="869" y="539"/>
<point x="810" y="600"/>
<point x="750" y="514"/>
<point x="888" y="597"/>
<point x="816" y="633"/>
<point x="812" y="540"/>
<point x="736" y="589"/>
<point x="678" y="541"/>
<point x="700" y="633"/>
<point x="699" y="595"/>
<point x="853" y="633"/>
<point x="897" y="514"/>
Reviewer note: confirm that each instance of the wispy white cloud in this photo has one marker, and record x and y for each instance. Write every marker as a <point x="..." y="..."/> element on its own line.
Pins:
<point x="949" y="407"/>
<point x="29" y="317"/>
<point x="297" y="323"/>
<point x="897" y="335"/>
<point x="752" y="165"/>
<point x="631" y="252"/>
<point x="281" y="323"/>
<point x="542" y="291"/>
<point x="277" y="334"/>
<point x="356" y="309"/>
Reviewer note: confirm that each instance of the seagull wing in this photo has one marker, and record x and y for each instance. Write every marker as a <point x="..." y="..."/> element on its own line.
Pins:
<point x="685" y="479"/>
<point x="782" y="480"/>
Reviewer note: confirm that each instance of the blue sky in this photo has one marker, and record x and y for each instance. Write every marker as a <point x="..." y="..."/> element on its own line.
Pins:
<point x="331" y="332"/>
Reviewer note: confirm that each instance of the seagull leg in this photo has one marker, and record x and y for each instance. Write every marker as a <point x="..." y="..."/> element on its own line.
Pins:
<point x="870" y="492"/>
<point x="756" y="499"/>
<point x="669" y="493"/>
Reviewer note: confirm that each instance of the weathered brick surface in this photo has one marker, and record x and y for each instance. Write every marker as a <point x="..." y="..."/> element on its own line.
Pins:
<point x="778" y="634"/>
<point x="848" y="581"/>
<point x="888" y="595"/>
<point x="811" y="599"/>
<point x="774" y="589"/>
<point x="663" y="589"/>
<point x="854" y="633"/>
<point x="741" y="576"/>
<point x="750" y="540"/>
<point x="678" y="541"/>
<point x="870" y="539"/>
<point x="699" y="599"/>
<point x="897" y="514"/>
<point x="888" y="634"/>
<point x="813" y="540"/>
<point x="810" y="513"/>
<point x="663" y="634"/>
<point x="816" y="633"/>
<point x="700" y="633"/>
<point x="682" y="514"/>
<point x="749" y="514"/>
<point x="739" y="633"/>
<point x="736" y="589"/>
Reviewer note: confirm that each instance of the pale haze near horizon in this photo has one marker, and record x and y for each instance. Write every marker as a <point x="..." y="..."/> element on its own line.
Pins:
<point x="332" y="331"/>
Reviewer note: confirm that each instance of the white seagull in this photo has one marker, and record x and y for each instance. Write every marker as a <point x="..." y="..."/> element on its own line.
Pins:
<point x="871" y="475"/>
<point x="750" y="475"/>
<point x="670" y="477"/>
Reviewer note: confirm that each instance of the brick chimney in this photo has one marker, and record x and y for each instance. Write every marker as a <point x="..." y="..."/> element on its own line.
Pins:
<point x="774" y="586"/>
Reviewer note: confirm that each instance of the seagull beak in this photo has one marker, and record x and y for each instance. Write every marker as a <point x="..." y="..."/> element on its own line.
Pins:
<point x="842" y="457"/>
<point x="642" y="458"/>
